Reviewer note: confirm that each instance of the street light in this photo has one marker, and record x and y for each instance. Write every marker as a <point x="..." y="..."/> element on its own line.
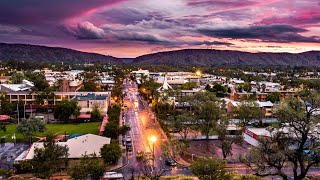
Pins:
<point x="153" y="140"/>
<point x="198" y="73"/>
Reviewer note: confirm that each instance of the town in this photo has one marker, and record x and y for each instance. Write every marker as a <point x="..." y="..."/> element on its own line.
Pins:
<point x="92" y="121"/>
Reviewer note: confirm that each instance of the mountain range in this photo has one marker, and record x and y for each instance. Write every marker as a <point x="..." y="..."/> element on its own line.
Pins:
<point x="202" y="57"/>
<point x="25" y="52"/>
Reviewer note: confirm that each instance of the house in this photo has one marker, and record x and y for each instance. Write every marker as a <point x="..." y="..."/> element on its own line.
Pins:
<point x="77" y="147"/>
<point x="4" y="79"/>
<point x="266" y="107"/>
<point x="88" y="101"/>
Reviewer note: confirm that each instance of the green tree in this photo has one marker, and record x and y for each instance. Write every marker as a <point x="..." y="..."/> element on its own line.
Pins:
<point x="226" y="139"/>
<point x="188" y="86"/>
<point x="185" y="123"/>
<point x="114" y="113"/>
<point x="209" y="169"/>
<point x="16" y="78"/>
<point x="124" y="129"/>
<point x="96" y="113"/>
<point x="65" y="109"/>
<point x="218" y="89"/>
<point x="113" y="130"/>
<point x="269" y="157"/>
<point x="274" y="97"/>
<point x="207" y="111"/>
<point x="29" y="127"/>
<point x="247" y="112"/>
<point x="48" y="160"/>
<point x="39" y="81"/>
<point x="6" y="174"/>
<point x="173" y="148"/>
<point x="111" y="153"/>
<point x="90" y="80"/>
<point x="6" y="106"/>
<point x="247" y="87"/>
<point x="88" y="165"/>
<point x="295" y="142"/>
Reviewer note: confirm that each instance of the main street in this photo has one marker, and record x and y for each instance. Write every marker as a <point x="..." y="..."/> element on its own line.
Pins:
<point x="143" y="126"/>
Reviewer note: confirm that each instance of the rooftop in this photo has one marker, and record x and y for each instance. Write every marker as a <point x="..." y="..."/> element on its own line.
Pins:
<point x="79" y="146"/>
<point x="90" y="97"/>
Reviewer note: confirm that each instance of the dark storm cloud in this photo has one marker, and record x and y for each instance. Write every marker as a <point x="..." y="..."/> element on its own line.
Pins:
<point x="272" y="33"/>
<point x="35" y="12"/>
<point x="208" y="43"/>
<point x="142" y="37"/>
<point x="128" y="15"/>
<point x="155" y="39"/>
<point x="224" y="3"/>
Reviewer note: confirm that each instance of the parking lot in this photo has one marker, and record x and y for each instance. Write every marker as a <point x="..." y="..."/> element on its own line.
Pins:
<point x="9" y="152"/>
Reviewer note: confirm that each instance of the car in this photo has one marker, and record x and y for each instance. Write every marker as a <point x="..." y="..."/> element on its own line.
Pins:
<point x="174" y="130"/>
<point x="128" y="139"/>
<point x="129" y="148"/>
<point x="128" y="144"/>
<point x="170" y="162"/>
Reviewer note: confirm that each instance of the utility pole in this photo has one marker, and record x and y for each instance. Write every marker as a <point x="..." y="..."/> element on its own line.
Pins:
<point x="24" y="111"/>
<point x="18" y="112"/>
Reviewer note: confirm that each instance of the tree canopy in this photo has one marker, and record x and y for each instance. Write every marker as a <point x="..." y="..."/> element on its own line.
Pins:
<point x="111" y="152"/>
<point x="88" y="165"/>
<point x="295" y="141"/>
<point x="30" y="126"/>
<point x="209" y="169"/>
<point x="65" y="109"/>
<point x="48" y="160"/>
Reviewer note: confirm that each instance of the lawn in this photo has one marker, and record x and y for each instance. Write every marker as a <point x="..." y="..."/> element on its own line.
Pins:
<point x="82" y="128"/>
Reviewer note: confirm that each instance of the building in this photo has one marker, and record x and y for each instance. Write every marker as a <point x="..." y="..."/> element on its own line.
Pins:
<point x="77" y="147"/>
<point x="138" y="74"/>
<point x="67" y="85"/>
<point x="30" y="98"/>
<point x="266" y="107"/>
<point x="238" y="96"/>
<point x="89" y="101"/>
<point x="25" y="86"/>
<point x="4" y="79"/>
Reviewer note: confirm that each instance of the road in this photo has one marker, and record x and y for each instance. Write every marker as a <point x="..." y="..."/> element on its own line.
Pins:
<point x="143" y="126"/>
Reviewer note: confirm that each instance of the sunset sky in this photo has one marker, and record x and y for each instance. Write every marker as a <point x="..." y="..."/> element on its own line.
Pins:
<point x="129" y="28"/>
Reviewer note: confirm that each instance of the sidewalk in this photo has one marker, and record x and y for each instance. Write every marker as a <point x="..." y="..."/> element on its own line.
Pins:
<point x="122" y="162"/>
<point x="103" y="124"/>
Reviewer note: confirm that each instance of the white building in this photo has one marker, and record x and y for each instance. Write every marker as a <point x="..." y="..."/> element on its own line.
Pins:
<point x="24" y="86"/>
<point x="77" y="147"/>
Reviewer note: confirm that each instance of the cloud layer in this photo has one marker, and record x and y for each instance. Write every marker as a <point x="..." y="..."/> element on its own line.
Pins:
<point x="126" y="28"/>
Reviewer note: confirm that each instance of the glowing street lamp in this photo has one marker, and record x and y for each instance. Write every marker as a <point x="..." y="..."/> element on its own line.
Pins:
<point x="153" y="140"/>
<point x="198" y="73"/>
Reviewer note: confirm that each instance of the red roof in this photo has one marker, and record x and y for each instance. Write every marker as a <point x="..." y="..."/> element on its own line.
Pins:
<point x="4" y="117"/>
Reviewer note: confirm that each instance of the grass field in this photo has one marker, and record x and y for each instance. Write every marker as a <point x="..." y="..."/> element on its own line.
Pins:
<point x="82" y="128"/>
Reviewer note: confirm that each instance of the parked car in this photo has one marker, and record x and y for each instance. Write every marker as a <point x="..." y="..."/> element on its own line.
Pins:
<point x="174" y="130"/>
<point x="170" y="162"/>
<point x="129" y="148"/>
